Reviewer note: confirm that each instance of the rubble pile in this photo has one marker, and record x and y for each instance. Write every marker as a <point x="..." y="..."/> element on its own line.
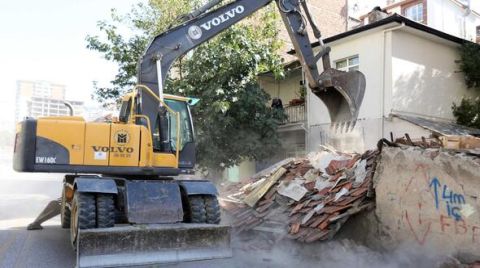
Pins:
<point x="306" y="199"/>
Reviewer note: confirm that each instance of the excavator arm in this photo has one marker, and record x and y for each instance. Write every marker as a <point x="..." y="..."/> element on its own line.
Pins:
<point x="341" y="92"/>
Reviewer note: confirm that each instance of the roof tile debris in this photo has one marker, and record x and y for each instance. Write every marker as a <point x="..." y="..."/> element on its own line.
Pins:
<point x="313" y="197"/>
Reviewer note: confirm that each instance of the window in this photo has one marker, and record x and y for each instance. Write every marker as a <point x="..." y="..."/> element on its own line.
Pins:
<point x="414" y="12"/>
<point x="348" y="64"/>
<point x="478" y="34"/>
<point x="186" y="132"/>
<point x="166" y="141"/>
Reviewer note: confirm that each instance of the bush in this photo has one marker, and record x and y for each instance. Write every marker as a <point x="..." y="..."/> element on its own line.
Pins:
<point x="468" y="112"/>
<point x="469" y="64"/>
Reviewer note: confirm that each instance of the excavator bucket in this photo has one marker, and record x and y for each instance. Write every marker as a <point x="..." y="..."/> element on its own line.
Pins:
<point x="342" y="92"/>
<point x="152" y="244"/>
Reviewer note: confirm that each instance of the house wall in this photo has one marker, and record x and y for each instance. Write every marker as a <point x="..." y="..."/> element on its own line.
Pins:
<point x="448" y="16"/>
<point x="407" y="71"/>
<point x="369" y="48"/>
<point x="242" y="171"/>
<point x="428" y="201"/>
<point x="424" y="77"/>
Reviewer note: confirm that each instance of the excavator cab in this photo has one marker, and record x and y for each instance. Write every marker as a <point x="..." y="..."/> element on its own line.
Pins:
<point x="173" y="142"/>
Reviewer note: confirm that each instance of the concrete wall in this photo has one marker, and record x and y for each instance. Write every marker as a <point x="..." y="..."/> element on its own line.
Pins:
<point x="236" y="173"/>
<point x="429" y="200"/>
<point x="369" y="46"/>
<point x="424" y="77"/>
<point x="447" y="16"/>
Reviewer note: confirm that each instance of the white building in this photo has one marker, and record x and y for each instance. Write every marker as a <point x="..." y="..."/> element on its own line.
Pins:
<point x="411" y="77"/>
<point x="460" y="18"/>
<point x="42" y="98"/>
<point x="410" y="71"/>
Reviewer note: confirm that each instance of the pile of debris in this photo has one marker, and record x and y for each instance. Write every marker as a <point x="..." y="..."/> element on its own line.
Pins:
<point x="309" y="199"/>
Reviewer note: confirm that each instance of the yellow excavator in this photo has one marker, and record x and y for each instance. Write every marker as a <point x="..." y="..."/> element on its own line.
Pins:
<point x="122" y="199"/>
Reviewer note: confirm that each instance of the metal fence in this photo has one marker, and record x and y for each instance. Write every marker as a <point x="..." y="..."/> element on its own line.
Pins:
<point x="295" y="114"/>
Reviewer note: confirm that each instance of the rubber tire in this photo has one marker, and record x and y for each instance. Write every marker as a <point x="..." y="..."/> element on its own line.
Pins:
<point x="83" y="215"/>
<point x="212" y="209"/>
<point x="65" y="213"/>
<point x="198" y="214"/>
<point x="105" y="211"/>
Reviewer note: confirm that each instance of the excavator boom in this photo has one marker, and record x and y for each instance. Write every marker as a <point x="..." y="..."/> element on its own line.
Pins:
<point x="342" y="92"/>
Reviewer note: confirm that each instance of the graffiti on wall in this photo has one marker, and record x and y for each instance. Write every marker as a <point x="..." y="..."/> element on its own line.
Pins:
<point x="438" y="209"/>
<point x="453" y="201"/>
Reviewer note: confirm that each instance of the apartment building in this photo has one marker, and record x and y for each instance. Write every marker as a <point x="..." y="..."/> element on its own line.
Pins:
<point x="43" y="98"/>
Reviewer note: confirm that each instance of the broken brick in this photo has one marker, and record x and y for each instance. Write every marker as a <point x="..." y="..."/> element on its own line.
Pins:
<point x="295" y="228"/>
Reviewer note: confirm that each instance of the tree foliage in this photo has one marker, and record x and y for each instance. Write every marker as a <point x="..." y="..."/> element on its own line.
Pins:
<point x="469" y="64"/>
<point x="125" y="38"/>
<point x="232" y="119"/>
<point x="467" y="113"/>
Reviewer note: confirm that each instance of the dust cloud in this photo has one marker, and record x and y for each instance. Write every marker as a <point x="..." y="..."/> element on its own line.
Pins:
<point x="341" y="253"/>
<point x="24" y="195"/>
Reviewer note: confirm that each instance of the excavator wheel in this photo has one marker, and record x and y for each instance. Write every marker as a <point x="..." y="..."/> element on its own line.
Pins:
<point x="198" y="213"/>
<point x="212" y="209"/>
<point x="105" y="211"/>
<point x="83" y="214"/>
<point x="204" y="209"/>
<point x="64" y="212"/>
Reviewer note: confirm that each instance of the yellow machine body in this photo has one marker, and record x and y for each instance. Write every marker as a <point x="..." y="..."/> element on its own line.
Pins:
<point x="70" y="144"/>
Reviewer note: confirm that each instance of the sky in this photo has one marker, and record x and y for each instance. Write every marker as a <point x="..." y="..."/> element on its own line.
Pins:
<point x="45" y="40"/>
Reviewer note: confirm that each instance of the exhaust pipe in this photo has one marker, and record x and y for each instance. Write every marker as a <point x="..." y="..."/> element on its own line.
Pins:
<point x="70" y="107"/>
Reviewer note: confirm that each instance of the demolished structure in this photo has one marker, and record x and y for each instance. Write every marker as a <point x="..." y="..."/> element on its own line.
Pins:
<point x="423" y="193"/>
<point x="312" y="197"/>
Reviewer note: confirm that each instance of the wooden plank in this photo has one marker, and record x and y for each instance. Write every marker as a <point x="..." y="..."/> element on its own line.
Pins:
<point x="252" y="198"/>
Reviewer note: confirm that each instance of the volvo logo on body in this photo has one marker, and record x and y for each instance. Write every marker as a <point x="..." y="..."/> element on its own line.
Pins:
<point x="195" y="32"/>
<point x="112" y="149"/>
<point x="223" y="18"/>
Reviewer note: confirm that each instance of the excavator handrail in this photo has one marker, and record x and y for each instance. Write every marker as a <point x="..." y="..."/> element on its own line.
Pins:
<point x="177" y="116"/>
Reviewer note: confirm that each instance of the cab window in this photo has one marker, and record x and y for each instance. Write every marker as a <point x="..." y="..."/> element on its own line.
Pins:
<point x="185" y="124"/>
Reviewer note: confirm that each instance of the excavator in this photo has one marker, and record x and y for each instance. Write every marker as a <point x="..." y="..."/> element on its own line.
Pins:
<point x="123" y="198"/>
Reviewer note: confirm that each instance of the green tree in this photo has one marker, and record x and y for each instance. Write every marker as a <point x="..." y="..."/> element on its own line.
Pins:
<point x="125" y="38"/>
<point x="469" y="64"/>
<point x="232" y="120"/>
<point x="467" y="113"/>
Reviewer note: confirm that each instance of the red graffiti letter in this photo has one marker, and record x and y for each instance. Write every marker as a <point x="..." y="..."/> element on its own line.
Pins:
<point x="474" y="233"/>
<point x="443" y="223"/>
<point x="460" y="227"/>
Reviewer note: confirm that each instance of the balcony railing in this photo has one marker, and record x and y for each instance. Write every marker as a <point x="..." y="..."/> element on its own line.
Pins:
<point x="295" y="114"/>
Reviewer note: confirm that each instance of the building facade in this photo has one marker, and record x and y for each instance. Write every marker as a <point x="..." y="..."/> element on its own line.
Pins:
<point x="405" y="77"/>
<point x="42" y="98"/>
<point x="459" y="18"/>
